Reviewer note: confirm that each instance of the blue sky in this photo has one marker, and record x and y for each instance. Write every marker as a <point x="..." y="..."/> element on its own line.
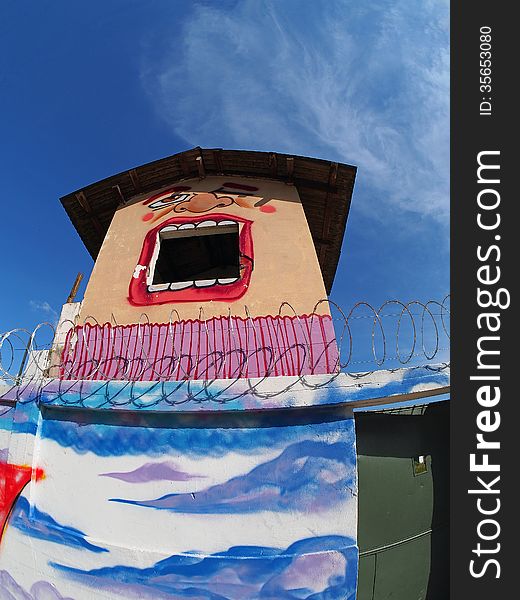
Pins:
<point x="88" y="89"/>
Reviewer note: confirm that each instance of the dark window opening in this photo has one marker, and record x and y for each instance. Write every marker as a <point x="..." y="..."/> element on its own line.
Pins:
<point x="198" y="256"/>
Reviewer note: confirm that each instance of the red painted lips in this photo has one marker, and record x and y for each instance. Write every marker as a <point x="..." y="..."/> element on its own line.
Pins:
<point x="143" y="293"/>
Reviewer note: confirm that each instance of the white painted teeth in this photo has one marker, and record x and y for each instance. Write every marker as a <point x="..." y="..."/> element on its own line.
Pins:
<point x="200" y="225"/>
<point x="180" y="285"/>
<point x="205" y="282"/>
<point x="158" y="287"/>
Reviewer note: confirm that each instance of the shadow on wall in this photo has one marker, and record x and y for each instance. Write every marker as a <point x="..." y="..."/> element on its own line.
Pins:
<point x="282" y="417"/>
<point x="403" y="532"/>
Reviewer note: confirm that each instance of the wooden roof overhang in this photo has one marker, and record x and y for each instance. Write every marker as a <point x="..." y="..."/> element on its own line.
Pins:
<point x="325" y="190"/>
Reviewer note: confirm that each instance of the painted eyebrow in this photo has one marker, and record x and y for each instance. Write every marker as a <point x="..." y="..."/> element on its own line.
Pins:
<point x="235" y="188"/>
<point x="240" y="186"/>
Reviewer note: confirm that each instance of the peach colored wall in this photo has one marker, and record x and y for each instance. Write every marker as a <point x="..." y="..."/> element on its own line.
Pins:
<point x="285" y="269"/>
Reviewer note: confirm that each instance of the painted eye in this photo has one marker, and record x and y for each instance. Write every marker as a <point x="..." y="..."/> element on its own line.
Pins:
<point x="168" y="200"/>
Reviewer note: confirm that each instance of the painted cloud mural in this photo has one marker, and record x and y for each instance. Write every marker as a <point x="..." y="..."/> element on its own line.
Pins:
<point x="208" y="507"/>
<point x="307" y="476"/>
<point x="311" y="569"/>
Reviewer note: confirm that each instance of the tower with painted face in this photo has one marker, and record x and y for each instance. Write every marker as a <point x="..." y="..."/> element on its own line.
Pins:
<point x="218" y="259"/>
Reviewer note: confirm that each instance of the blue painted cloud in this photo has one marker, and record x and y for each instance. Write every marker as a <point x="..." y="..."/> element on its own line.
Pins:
<point x="42" y="526"/>
<point x="321" y="568"/>
<point x="109" y="440"/>
<point x="307" y="476"/>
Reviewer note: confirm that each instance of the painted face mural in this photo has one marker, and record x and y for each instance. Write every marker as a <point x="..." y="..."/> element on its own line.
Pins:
<point x="200" y="245"/>
<point x="207" y="264"/>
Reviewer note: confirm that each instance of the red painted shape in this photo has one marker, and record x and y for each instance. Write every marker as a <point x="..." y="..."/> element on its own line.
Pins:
<point x="195" y="349"/>
<point x="267" y="208"/>
<point x="13" y="478"/>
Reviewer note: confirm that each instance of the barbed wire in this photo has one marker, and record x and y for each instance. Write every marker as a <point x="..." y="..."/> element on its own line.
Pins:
<point x="326" y="341"/>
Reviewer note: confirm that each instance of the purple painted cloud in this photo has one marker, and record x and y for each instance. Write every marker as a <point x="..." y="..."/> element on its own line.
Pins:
<point x="307" y="476"/>
<point x="163" y="471"/>
<point x="41" y="590"/>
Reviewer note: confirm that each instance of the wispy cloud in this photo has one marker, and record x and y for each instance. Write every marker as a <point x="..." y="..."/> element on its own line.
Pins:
<point x="45" y="308"/>
<point x="366" y="84"/>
